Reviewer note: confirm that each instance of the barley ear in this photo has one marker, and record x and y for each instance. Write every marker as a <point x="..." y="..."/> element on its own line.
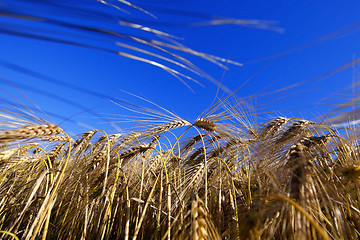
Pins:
<point x="30" y="131"/>
<point x="298" y="160"/>
<point x="201" y="226"/>
<point x="205" y="124"/>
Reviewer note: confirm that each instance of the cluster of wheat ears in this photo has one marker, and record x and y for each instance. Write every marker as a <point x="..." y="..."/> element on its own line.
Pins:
<point x="285" y="179"/>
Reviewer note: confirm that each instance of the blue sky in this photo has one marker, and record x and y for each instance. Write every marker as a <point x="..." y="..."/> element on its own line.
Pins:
<point x="316" y="38"/>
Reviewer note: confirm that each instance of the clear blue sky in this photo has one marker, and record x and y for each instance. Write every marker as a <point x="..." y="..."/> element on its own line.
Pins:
<point x="318" y="37"/>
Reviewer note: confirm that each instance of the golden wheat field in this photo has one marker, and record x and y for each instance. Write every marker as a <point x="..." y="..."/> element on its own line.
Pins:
<point x="218" y="177"/>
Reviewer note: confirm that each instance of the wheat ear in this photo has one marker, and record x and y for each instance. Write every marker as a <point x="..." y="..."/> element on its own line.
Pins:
<point x="81" y="142"/>
<point x="299" y="161"/>
<point x="205" y="124"/>
<point x="30" y="131"/>
<point x="58" y="138"/>
<point x="314" y="140"/>
<point x="272" y="127"/>
<point x="55" y="152"/>
<point x="201" y="226"/>
<point x="295" y="129"/>
<point x="134" y="151"/>
<point x="168" y="126"/>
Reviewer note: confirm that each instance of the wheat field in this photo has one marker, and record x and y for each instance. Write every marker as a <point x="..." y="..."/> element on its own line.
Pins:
<point x="219" y="177"/>
<point x="212" y="179"/>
